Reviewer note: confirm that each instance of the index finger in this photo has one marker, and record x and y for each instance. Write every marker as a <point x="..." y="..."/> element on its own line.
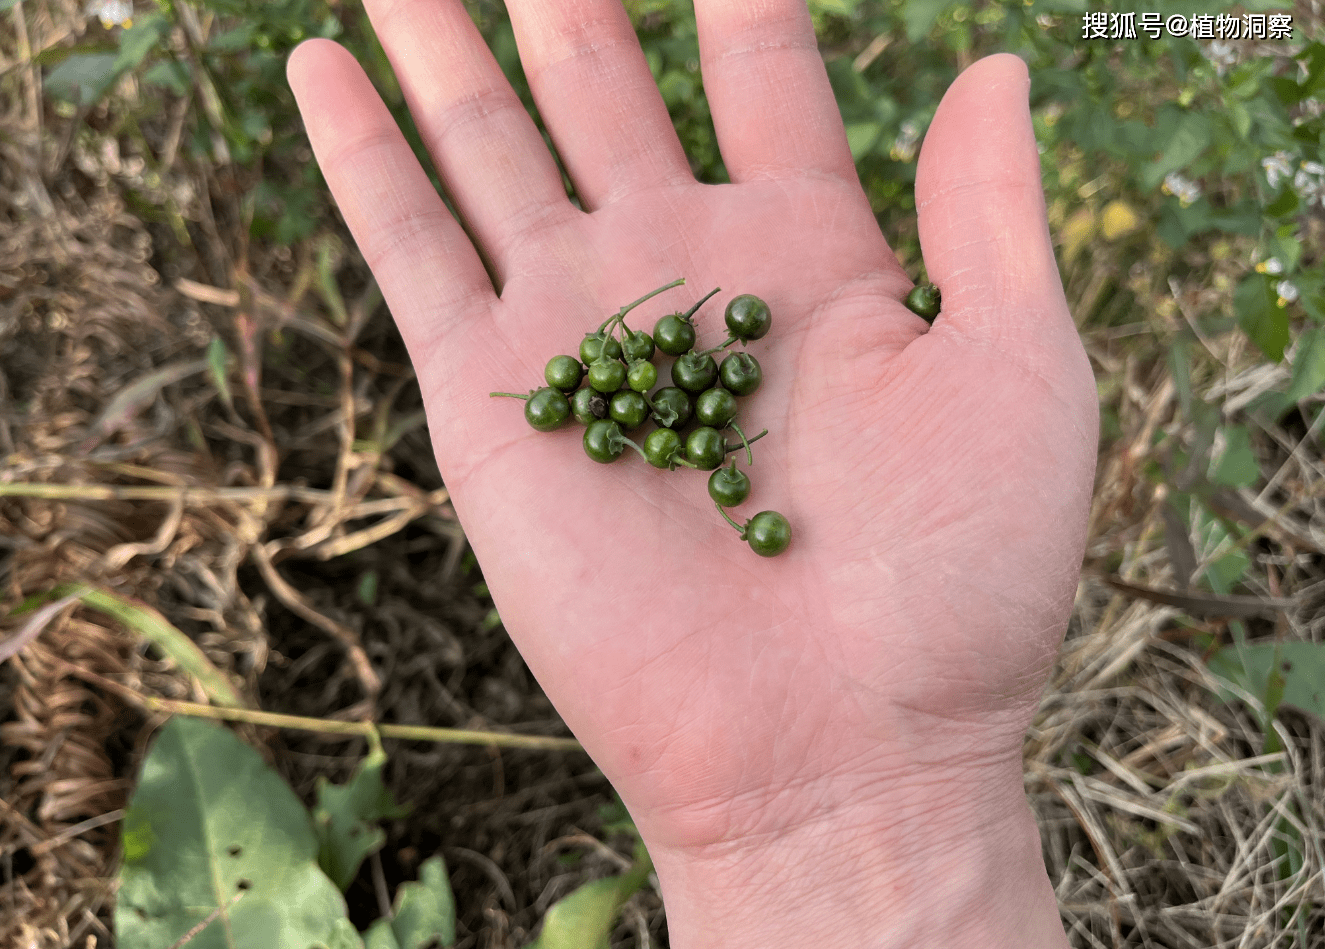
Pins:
<point x="416" y="249"/>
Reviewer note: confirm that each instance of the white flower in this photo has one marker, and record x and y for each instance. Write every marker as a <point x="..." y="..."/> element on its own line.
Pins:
<point x="1277" y="166"/>
<point x="904" y="148"/>
<point x="1287" y="293"/>
<point x="1222" y="54"/>
<point x="1273" y="266"/>
<point x="1185" y="191"/>
<point x="1309" y="182"/>
<point x="112" y="12"/>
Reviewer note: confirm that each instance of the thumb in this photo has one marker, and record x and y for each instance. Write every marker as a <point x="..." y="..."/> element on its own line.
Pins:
<point x="980" y="208"/>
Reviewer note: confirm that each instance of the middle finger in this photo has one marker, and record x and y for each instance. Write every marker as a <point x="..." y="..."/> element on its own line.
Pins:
<point x="487" y="150"/>
<point x="597" y="96"/>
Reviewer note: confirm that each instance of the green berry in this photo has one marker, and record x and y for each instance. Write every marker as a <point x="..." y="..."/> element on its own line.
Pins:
<point x="638" y="345"/>
<point x="588" y="405"/>
<point x="564" y="373"/>
<point x="705" y="448"/>
<point x="767" y="533"/>
<point x="662" y="448"/>
<point x="748" y="317"/>
<point x="603" y="442"/>
<point x="924" y="301"/>
<point x="606" y="375"/>
<point x="729" y="486"/>
<point x="546" y="409"/>
<point x="674" y="334"/>
<point x="592" y="346"/>
<point x="694" y="373"/>
<point x="672" y="407"/>
<point x="715" y="407"/>
<point x="629" y="409"/>
<point x="740" y="373"/>
<point x="642" y="376"/>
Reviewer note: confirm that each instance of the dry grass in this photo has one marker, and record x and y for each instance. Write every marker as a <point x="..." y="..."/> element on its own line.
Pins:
<point x="1164" y="824"/>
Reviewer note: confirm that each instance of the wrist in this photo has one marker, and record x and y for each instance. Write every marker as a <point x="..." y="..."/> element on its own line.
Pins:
<point x="933" y="865"/>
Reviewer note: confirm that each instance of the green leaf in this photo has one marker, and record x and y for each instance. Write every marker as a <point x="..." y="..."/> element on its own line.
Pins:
<point x="345" y="818"/>
<point x="919" y="16"/>
<point x="424" y="913"/>
<point x="585" y="918"/>
<point x="1283" y="206"/>
<point x="1237" y="466"/>
<point x="218" y="361"/>
<point x="862" y="137"/>
<point x="1308" y="365"/>
<point x="1298" y="668"/>
<point x="83" y="78"/>
<point x="151" y="626"/>
<point x="1188" y="141"/>
<point x="343" y="936"/>
<point x="145" y="36"/>
<point x="210" y="827"/>
<point x="1265" y="323"/>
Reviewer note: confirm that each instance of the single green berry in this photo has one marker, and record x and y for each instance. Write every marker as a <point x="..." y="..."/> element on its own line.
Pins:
<point x="603" y="442"/>
<point x="767" y="533"/>
<point x="588" y="405"/>
<point x="662" y="448"/>
<point x="747" y="317"/>
<point x="672" y="407"/>
<point x="642" y="375"/>
<point x="629" y="409"/>
<point x="740" y="373"/>
<point x="564" y="373"/>
<point x="729" y="486"/>
<point x="606" y="375"/>
<point x="592" y="346"/>
<point x="924" y="301"/>
<point x="715" y="407"/>
<point x="638" y="345"/>
<point x="674" y="334"/>
<point x="705" y="448"/>
<point x="546" y="409"/>
<point x="694" y="373"/>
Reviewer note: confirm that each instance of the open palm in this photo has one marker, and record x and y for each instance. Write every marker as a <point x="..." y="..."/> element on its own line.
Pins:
<point x="936" y="479"/>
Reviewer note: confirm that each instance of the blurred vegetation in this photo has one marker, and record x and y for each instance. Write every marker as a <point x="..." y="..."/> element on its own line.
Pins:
<point x="1182" y="177"/>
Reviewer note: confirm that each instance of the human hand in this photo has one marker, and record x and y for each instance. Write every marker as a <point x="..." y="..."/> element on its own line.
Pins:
<point x="808" y="743"/>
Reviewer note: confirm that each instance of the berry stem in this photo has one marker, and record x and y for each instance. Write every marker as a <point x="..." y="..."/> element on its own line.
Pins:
<point x="729" y="520"/>
<point x="617" y="317"/>
<point x="507" y="395"/>
<point x="719" y="348"/>
<point x="749" y="455"/>
<point x="694" y="309"/>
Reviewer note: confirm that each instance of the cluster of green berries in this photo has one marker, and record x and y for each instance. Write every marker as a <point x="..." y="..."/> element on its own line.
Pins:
<point x="610" y="387"/>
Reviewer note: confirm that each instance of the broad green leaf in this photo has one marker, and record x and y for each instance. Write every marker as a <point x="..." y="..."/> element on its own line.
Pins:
<point x="82" y="78"/>
<point x="424" y="913"/>
<point x="210" y="827"/>
<point x="346" y="816"/>
<point x="1255" y="667"/>
<point x="862" y="137"/>
<point x="919" y="16"/>
<point x="146" y="36"/>
<point x="1237" y="466"/>
<point x="343" y="936"/>
<point x="1308" y="365"/>
<point x="1188" y="141"/>
<point x="585" y="918"/>
<point x="1265" y="323"/>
